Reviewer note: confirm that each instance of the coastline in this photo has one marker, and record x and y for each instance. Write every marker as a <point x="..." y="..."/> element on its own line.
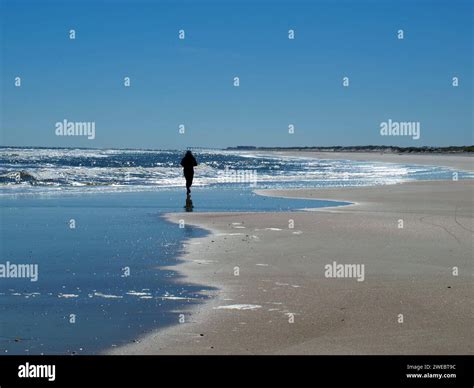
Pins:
<point x="409" y="272"/>
<point x="464" y="162"/>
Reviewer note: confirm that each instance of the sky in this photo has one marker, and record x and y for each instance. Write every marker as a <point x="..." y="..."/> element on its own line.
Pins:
<point x="190" y="81"/>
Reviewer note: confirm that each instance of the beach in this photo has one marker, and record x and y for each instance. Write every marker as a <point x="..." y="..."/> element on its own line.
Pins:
<point x="272" y="295"/>
<point x="457" y="161"/>
<point x="325" y="255"/>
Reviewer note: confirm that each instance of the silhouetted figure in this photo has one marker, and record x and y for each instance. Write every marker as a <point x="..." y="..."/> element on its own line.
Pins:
<point x="188" y="163"/>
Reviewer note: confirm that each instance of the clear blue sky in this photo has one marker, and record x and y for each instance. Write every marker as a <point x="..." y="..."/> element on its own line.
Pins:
<point x="191" y="82"/>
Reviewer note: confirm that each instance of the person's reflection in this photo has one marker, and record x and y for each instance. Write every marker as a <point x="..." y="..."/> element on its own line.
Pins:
<point x="189" y="203"/>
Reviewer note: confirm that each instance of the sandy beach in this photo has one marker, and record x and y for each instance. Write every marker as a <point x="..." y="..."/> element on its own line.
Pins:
<point x="456" y="161"/>
<point x="272" y="295"/>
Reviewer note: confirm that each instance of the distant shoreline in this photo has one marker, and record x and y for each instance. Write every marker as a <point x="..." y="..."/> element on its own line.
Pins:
<point x="458" y="161"/>
<point x="452" y="150"/>
<point x="365" y="149"/>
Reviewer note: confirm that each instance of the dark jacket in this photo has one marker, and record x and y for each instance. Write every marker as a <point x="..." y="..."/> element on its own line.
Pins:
<point x="188" y="162"/>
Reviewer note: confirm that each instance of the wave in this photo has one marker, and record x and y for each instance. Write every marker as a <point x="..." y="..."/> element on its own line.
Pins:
<point x="89" y="169"/>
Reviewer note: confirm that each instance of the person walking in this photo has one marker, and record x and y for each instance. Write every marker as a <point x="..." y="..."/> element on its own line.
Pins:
<point x="188" y="163"/>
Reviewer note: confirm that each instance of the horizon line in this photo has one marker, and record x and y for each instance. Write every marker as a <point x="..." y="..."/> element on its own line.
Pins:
<point x="250" y="147"/>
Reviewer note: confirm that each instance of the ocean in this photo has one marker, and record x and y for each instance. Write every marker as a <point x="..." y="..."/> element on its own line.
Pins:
<point x="44" y="170"/>
<point x="91" y="220"/>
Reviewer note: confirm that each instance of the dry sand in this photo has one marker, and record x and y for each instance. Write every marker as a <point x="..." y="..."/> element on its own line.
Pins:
<point x="281" y="278"/>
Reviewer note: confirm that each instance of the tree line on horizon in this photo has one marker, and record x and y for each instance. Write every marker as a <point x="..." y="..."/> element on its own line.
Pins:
<point x="368" y="148"/>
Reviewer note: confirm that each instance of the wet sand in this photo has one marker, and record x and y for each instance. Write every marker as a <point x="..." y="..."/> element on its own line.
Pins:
<point x="281" y="302"/>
